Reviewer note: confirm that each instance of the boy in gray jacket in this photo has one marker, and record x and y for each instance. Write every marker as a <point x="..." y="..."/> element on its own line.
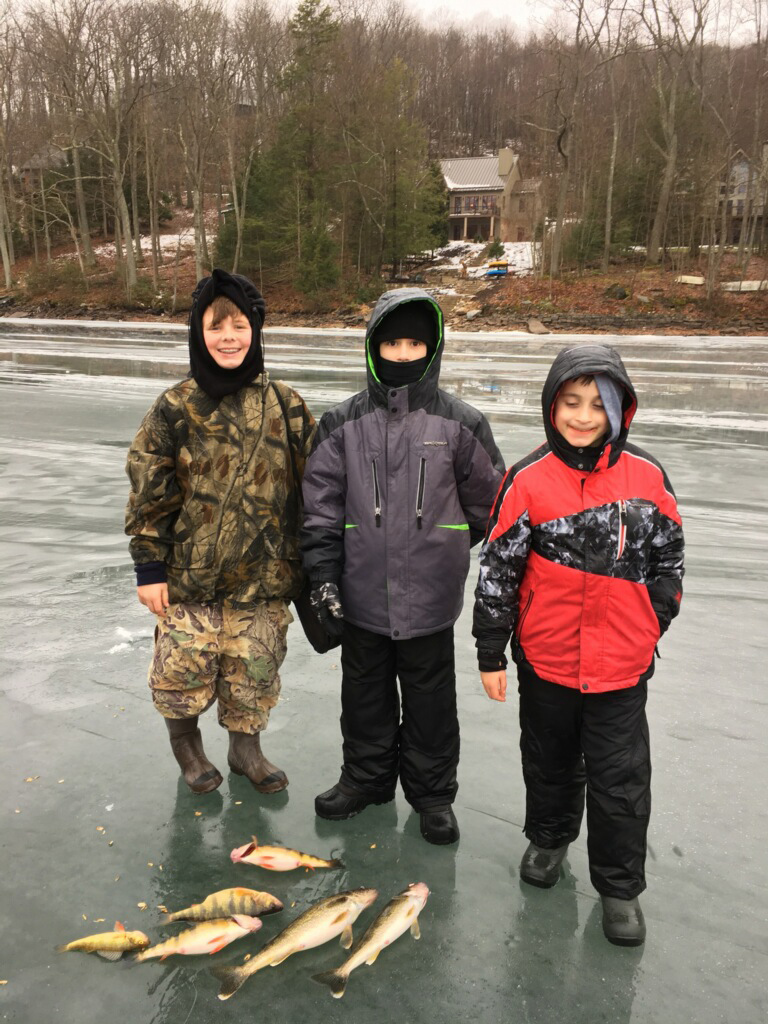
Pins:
<point x="398" y="486"/>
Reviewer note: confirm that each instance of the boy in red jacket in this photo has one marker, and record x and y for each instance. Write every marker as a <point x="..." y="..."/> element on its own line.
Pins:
<point x="582" y="567"/>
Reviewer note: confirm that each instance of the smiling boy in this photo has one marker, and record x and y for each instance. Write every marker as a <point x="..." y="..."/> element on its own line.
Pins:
<point x="213" y="517"/>
<point x="582" y="567"/>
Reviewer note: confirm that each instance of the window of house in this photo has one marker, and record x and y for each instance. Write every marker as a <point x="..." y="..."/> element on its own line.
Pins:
<point x="520" y="235"/>
<point x="457" y="205"/>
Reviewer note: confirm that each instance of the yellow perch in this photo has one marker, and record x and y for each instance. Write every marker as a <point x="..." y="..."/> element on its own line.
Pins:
<point x="109" y="945"/>
<point x="206" y="937"/>
<point x="332" y="916"/>
<point x="278" y="858"/>
<point x="227" y="903"/>
<point x="400" y="913"/>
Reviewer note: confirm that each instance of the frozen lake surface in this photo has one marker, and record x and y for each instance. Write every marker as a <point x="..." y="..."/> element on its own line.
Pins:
<point x="95" y="823"/>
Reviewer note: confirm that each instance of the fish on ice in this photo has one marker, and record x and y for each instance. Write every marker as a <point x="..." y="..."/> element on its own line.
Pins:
<point x="279" y="858"/>
<point x="227" y="903"/>
<point x="206" y="937"/>
<point x="109" y="945"/>
<point x="400" y="914"/>
<point x="326" y="919"/>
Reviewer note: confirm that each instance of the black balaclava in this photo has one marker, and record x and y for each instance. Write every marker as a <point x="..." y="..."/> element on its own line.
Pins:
<point x="410" y="320"/>
<point x="215" y="380"/>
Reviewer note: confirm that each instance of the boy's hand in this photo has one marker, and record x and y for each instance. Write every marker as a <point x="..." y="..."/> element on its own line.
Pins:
<point x="495" y="684"/>
<point x="155" y="597"/>
<point x="326" y="602"/>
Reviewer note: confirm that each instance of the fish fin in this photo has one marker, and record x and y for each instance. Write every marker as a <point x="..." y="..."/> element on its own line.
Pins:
<point x="415" y="930"/>
<point x="372" y="959"/>
<point x="216" y="938"/>
<point x="167" y="918"/>
<point x="109" y="954"/>
<point x="63" y="948"/>
<point x="274" y="963"/>
<point x="164" y="957"/>
<point x="339" y="918"/>
<point x="335" y="980"/>
<point x="335" y="863"/>
<point x="119" y="927"/>
<point x="346" y="937"/>
<point x="231" y="979"/>
<point x="217" y="949"/>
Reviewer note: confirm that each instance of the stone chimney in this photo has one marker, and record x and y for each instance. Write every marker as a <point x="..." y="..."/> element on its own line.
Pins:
<point x="506" y="162"/>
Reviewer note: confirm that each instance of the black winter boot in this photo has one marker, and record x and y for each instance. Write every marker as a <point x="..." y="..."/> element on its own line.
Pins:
<point x="541" y="867"/>
<point x="623" y="921"/>
<point x="246" y="758"/>
<point x="342" y="801"/>
<point x="187" y="746"/>
<point x="439" y="825"/>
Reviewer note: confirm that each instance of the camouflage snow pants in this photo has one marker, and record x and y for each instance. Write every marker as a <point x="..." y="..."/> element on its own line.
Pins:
<point x="209" y="651"/>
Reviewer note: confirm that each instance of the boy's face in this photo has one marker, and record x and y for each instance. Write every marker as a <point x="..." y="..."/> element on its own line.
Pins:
<point x="402" y="350"/>
<point x="229" y="340"/>
<point x="579" y="414"/>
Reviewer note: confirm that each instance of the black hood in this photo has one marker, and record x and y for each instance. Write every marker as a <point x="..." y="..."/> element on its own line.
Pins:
<point x="421" y="392"/>
<point x="576" y="362"/>
<point x="212" y="378"/>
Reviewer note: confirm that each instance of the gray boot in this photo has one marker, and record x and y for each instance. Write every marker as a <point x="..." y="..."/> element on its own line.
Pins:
<point x="623" y="921"/>
<point x="541" y="867"/>
<point x="246" y="758"/>
<point x="187" y="746"/>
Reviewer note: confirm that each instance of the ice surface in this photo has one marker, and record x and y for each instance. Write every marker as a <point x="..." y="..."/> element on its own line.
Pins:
<point x="76" y="721"/>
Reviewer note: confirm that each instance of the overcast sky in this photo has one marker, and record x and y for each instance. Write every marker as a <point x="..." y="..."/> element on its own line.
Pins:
<point x="523" y="14"/>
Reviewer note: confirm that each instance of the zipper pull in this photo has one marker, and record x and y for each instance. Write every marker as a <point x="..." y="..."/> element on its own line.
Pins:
<point x="420" y="493"/>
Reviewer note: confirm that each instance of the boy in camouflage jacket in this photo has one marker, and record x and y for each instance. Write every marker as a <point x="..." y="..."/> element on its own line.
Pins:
<point x="214" y="517"/>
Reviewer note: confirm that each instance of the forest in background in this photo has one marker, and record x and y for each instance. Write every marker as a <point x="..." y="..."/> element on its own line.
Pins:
<point x="305" y="145"/>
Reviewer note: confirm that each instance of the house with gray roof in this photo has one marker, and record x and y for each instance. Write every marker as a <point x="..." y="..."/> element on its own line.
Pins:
<point x="489" y="198"/>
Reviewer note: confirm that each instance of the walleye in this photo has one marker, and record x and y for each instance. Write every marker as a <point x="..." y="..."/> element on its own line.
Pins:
<point x="278" y="858"/>
<point x="328" y="918"/>
<point x="227" y="903"/>
<point x="207" y="937"/>
<point x="400" y="913"/>
<point x="109" y="945"/>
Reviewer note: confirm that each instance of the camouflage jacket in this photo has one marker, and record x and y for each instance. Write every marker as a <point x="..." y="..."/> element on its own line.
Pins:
<point x="213" y="495"/>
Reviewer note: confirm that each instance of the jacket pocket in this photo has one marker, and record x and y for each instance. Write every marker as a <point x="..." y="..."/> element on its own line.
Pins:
<point x="523" y="616"/>
<point x="376" y="493"/>
<point x="420" y="491"/>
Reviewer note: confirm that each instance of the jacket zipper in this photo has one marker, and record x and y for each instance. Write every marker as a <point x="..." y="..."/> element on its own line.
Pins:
<point x="376" y="495"/>
<point x="523" y="614"/>
<point x="622" y="528"/>
<point x="420" y="493"/>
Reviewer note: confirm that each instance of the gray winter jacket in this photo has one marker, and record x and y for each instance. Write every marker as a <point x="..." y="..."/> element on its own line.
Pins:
<point x="399" y="484"/>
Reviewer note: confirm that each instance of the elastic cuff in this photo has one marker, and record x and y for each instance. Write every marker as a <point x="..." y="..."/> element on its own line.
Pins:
<point x="491" y="661"/>
<point x="150" y="572"/>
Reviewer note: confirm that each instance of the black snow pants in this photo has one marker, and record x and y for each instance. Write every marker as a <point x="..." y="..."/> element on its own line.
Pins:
<point x="599" y="742"/>
<point x="422" y="747"/>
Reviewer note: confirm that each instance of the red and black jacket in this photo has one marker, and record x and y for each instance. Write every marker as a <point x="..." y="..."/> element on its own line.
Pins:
<point x="582" y="562"/>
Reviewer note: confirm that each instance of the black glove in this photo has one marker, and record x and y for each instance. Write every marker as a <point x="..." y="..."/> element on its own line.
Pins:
<point x="326" y="602"/>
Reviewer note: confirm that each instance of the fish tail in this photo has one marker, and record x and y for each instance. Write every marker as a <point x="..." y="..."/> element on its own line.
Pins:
<point x="335" y="864"/>
<point x="62" y="948"/>
<point x="335" y="980"/>
<point x="231" y="979"/>
<point x="167" y="918"/>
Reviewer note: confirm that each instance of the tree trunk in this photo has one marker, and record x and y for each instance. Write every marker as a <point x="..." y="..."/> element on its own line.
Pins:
<point x="660" y="217"/>
<point x="562" y="199"/>
<point x="3" y="240"/>
<point x="82" y="212"/>
<point x="609" y="194"/>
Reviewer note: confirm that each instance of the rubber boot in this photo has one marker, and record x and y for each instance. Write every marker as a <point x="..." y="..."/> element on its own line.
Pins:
<point x="187" y="746"/>
<point x="541" y="867"/>
<point x="623" y="921"/>
<point x="439" y="826"/>
<point x="246" y="758"/>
